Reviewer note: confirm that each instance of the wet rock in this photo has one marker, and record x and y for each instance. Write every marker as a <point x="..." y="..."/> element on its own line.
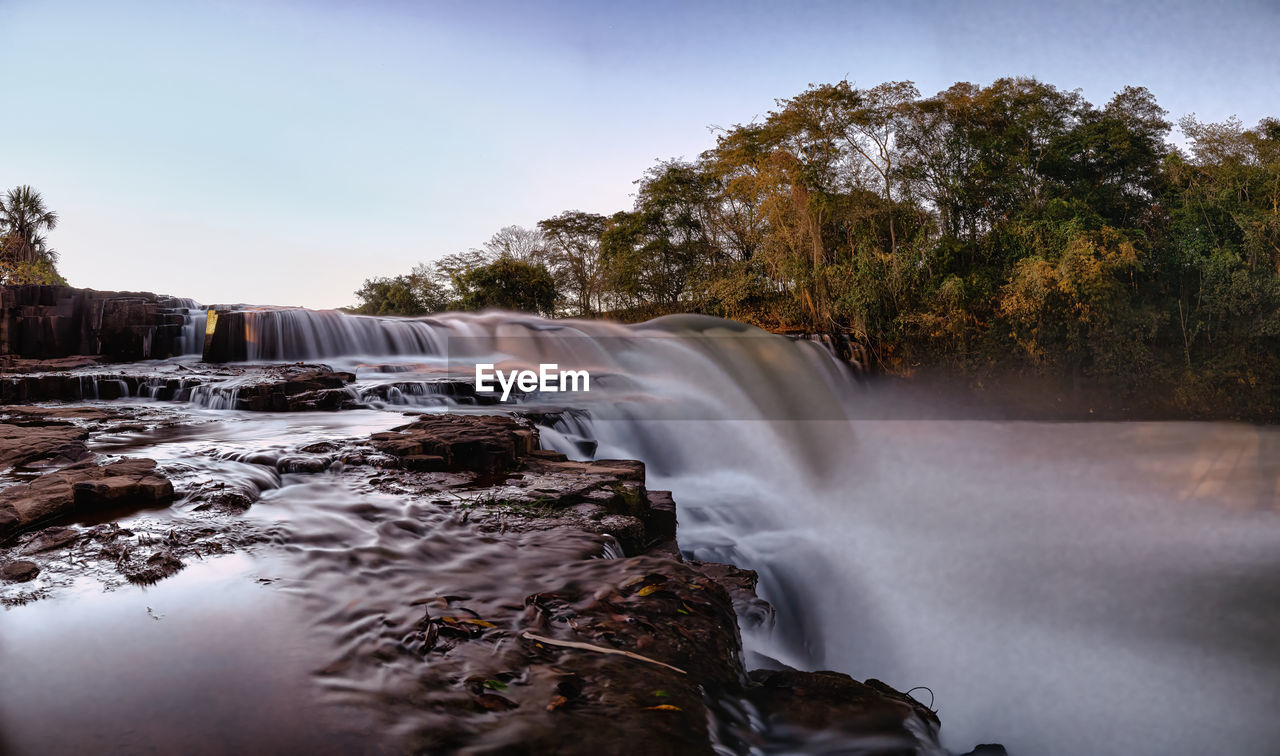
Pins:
<point x="56" y="387"/>
<point x="295" y="388"/>
<point x="230" y="497"/>
<point x="439" y="392"/>
<point x="37" y="440"/>
<point x="133" y="482"/>
<point x="294" y="397"/>
<point x="424" y="463"/>
<point x="13" y="364"/>
<point x="481" y="443"/>
<point x="320" y="447"/>
<point x="19" y="571"/>
<point x="660" y="516"/>
<point x="988" y="749"/>
<point x="155" y="568"/>
<point x="50" y="539"/>
<point x="38" y="415"/>
<point x="797" y="706"/>
<point x="752" y="610"/>
<point x="302" y="463"/>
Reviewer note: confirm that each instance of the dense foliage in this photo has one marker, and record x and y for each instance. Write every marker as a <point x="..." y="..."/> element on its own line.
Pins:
<point x="25" y="256"/>
<point x="1015" y="226"/>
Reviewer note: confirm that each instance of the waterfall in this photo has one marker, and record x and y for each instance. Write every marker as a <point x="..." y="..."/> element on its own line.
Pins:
<point x="191" y="341"/>
<point x="1034" y="576"/>
<point x="296" y="334"/>
<point x="738" y="421"/>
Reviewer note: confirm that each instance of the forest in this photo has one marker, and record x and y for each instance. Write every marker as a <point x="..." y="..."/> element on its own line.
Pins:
<point x="1015" y="227"/>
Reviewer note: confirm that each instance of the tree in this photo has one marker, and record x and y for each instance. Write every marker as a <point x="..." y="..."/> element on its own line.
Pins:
<point x="573" y="257"/>
<point x="507" y="284"/>
<point x="651" y="255"/>
<point x="516" y="242"/>
<point x="390" y="296"/>
<point x="25" y="256"/>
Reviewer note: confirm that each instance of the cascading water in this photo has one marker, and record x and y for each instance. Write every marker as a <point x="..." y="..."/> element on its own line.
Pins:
<point x="295" y="334"/>
<point x="195" y="316"/>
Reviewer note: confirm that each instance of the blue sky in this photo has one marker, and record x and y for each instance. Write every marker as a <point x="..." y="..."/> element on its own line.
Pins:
<point x="281" y="152"/>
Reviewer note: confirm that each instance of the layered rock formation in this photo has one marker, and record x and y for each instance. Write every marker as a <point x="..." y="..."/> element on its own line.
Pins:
<point x="49" y="322"/>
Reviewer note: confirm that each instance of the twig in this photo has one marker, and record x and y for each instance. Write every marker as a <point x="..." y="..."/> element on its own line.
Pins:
<point x="600" y="649"/>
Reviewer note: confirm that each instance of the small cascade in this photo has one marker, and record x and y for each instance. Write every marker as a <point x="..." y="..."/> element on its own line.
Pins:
<point x="195" y="317"/>
<point x="216" y="397"/>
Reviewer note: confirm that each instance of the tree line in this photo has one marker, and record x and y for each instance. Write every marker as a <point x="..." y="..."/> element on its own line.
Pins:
<point x="1011" y="226"/>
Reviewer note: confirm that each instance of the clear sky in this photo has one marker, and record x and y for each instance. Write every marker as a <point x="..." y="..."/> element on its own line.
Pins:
<point x="281" y="152"/>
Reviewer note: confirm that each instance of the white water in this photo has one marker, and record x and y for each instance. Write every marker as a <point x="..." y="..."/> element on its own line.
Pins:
<point x="1063" y="589"/>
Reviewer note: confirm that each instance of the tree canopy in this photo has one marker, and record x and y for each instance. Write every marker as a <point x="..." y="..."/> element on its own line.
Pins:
<point x="1013" y="226"/>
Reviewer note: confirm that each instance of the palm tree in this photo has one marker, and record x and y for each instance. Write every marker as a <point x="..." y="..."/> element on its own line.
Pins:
<point x="24" y="220"/>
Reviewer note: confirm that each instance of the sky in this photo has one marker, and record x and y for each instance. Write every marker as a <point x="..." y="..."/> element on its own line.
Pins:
<point x="276" y="152"/>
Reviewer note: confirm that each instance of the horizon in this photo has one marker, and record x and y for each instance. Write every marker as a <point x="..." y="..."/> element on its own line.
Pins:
<point x="276" y="146"/>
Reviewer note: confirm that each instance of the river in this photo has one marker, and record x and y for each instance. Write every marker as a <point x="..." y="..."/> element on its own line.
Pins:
<point x="1062" y="588"/>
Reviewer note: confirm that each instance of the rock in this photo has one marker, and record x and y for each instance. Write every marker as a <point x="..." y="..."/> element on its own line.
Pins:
<point x="53" y="387"/>
<point x="660" y="520"/>
<point x="799" y="705"/>
<point x="13" y="364"/>
<point x="53" y="443"/>
<point x="280" y="388"/>
<point x="19" y="571"/>
<point x="133" y="482"/>
<point x="424" y="463"/>
<point x="224" y="339"/>
<point x="481" y="443"/>
<point x="988" y="749"/>
<point x="231" y="501"/>
<point x="677" y="624"/>
<point x="752" y="610"/>
<point x="50" y="539"/>
<point x="51" y="322"/>
<point x="158" y="566"/>
<point x="40" y="416"/>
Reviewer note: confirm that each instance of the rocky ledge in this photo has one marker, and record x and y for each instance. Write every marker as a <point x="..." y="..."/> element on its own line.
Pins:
<point x="52" y="322"/>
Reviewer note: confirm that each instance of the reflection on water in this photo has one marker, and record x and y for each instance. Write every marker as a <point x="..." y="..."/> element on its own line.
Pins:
<point x="206" y="662"/>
